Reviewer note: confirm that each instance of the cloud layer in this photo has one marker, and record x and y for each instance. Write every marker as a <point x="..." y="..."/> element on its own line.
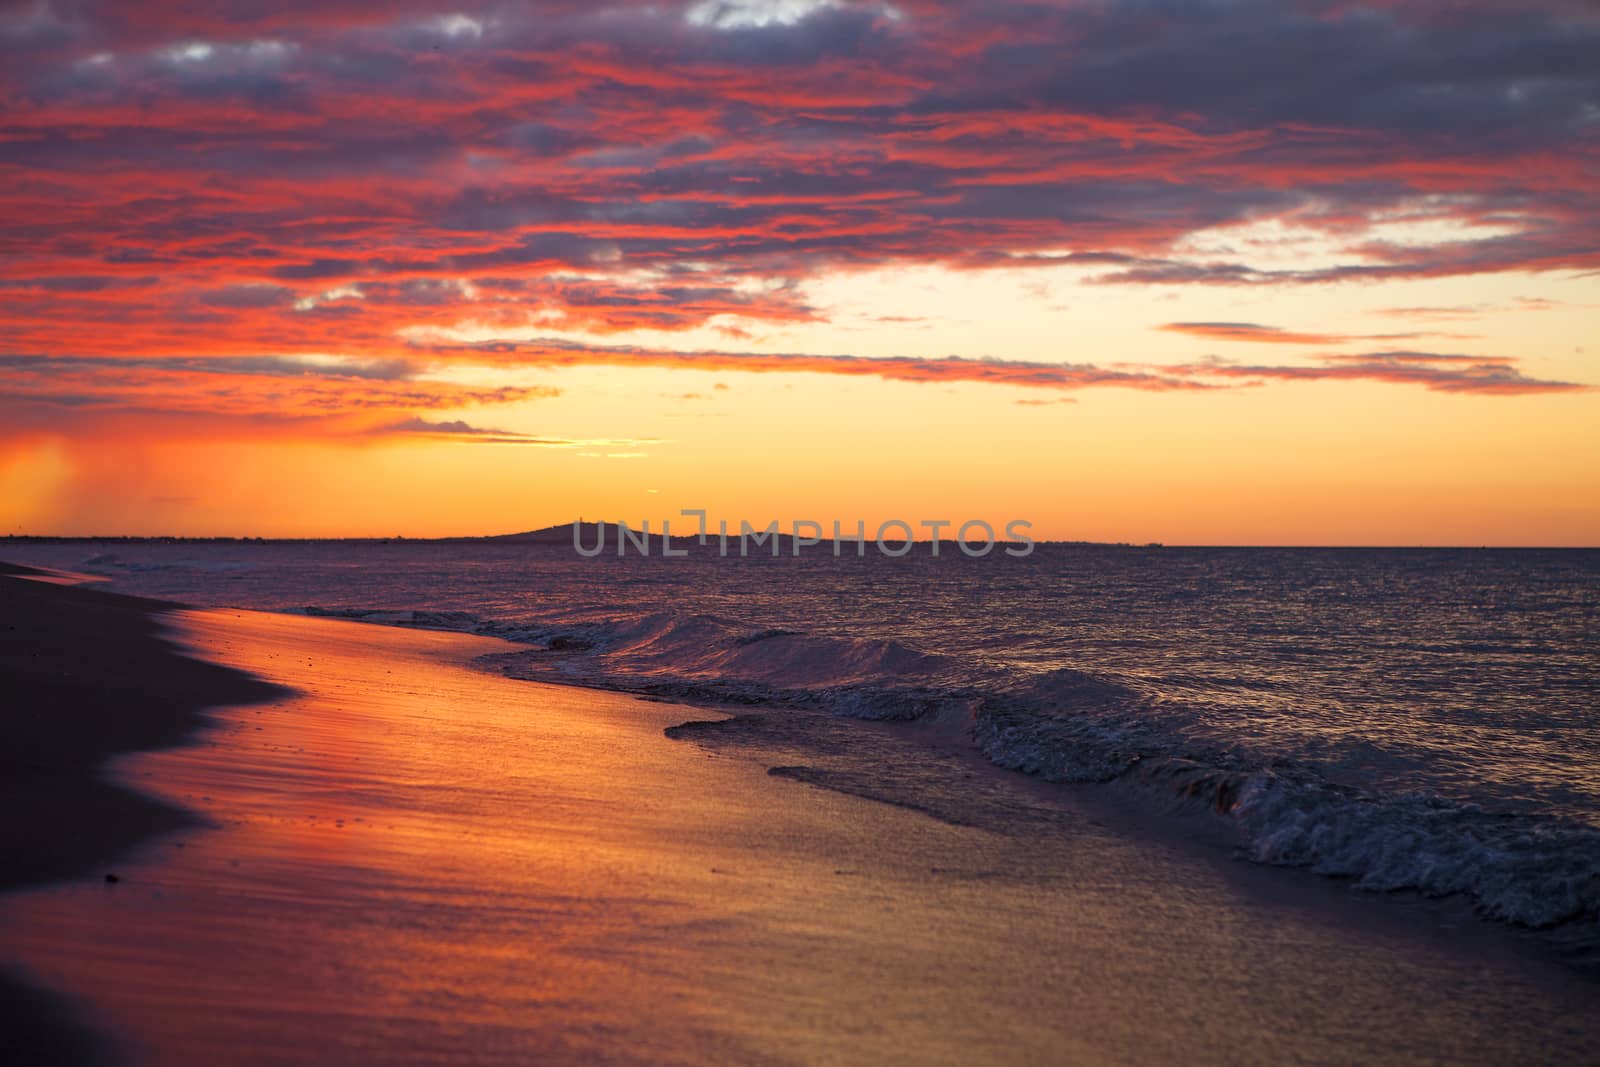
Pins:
<point x="252" y="180"/>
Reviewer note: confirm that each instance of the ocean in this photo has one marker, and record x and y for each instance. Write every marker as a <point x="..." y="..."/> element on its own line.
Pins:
<point x="1404" y="718"/>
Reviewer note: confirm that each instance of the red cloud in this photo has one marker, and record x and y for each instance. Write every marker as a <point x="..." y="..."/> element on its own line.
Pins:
<point x="1249" y="331"/>
<point x="1482" y="375"/>
<point x="303" y="178"/>
<point x="893" y="368"/>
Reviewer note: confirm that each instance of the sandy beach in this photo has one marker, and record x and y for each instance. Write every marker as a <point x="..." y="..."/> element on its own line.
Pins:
<point x="799" y="532"/>
<point x="401" y="858"/>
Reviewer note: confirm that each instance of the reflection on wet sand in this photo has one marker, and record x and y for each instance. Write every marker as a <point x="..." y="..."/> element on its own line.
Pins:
<point x="414" y="861"/>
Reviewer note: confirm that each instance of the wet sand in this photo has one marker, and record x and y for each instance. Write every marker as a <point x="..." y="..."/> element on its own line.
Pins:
<point x="88" y="674"/>
<point x="84" y="675"/>
<point x="410" y="860"/>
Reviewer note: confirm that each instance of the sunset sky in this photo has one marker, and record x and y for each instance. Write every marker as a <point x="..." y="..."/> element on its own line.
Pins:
<point x="1198" y="271"/>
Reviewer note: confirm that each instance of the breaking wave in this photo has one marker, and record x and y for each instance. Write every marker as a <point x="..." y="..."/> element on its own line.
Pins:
<point x="1072" y="726"/>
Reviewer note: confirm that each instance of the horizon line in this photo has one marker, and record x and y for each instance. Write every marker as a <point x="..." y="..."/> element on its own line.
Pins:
<point x="694" y="538"/>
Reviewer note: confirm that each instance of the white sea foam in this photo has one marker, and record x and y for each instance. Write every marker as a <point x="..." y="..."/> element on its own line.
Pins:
<point x="1072" y="726"/>
<point x="1418" y="720"/>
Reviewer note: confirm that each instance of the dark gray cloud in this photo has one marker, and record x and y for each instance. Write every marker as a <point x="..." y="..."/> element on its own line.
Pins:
<point x="180" y="175"/>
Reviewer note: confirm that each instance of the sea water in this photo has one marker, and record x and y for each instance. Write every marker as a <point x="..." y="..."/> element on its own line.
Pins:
<point x="1422" y="719"/>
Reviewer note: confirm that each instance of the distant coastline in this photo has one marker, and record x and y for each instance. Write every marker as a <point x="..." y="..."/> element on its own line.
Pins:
<point x="561" y="535"/>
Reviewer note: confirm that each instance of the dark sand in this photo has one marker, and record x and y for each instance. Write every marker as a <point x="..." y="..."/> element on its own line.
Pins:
<point x="409" y="860"/>
<point x="86" y="675"/>
<point x="90" y="674"/>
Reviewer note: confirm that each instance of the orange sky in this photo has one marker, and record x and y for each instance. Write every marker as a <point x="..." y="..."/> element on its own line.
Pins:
<point x="343" y="269"/>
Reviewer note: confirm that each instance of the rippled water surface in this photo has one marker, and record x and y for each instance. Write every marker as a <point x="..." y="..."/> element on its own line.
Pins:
<point x="1353" y="708"/>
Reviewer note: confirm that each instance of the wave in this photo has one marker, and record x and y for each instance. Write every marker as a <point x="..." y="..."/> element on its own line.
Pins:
<point x="1074" y="726"/>
<point x="108" y="564"/>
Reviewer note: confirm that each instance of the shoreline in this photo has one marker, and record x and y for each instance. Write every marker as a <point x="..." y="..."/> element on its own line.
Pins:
<point x="732" y="909"/>
<point x="1183" y="809"/>
<point x="70" y="709"/>
<point x="113" y="681"/>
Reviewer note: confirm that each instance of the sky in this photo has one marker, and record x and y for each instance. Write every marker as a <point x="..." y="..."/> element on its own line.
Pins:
<point x="1192" y="271"/>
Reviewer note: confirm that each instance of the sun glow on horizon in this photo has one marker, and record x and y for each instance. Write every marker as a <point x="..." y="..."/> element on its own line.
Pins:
<point x="472" y="270"/>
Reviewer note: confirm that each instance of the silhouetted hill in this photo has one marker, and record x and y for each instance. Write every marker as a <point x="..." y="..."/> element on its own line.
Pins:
<point x="549" y="535"/>
<point x="589" y="533"/>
